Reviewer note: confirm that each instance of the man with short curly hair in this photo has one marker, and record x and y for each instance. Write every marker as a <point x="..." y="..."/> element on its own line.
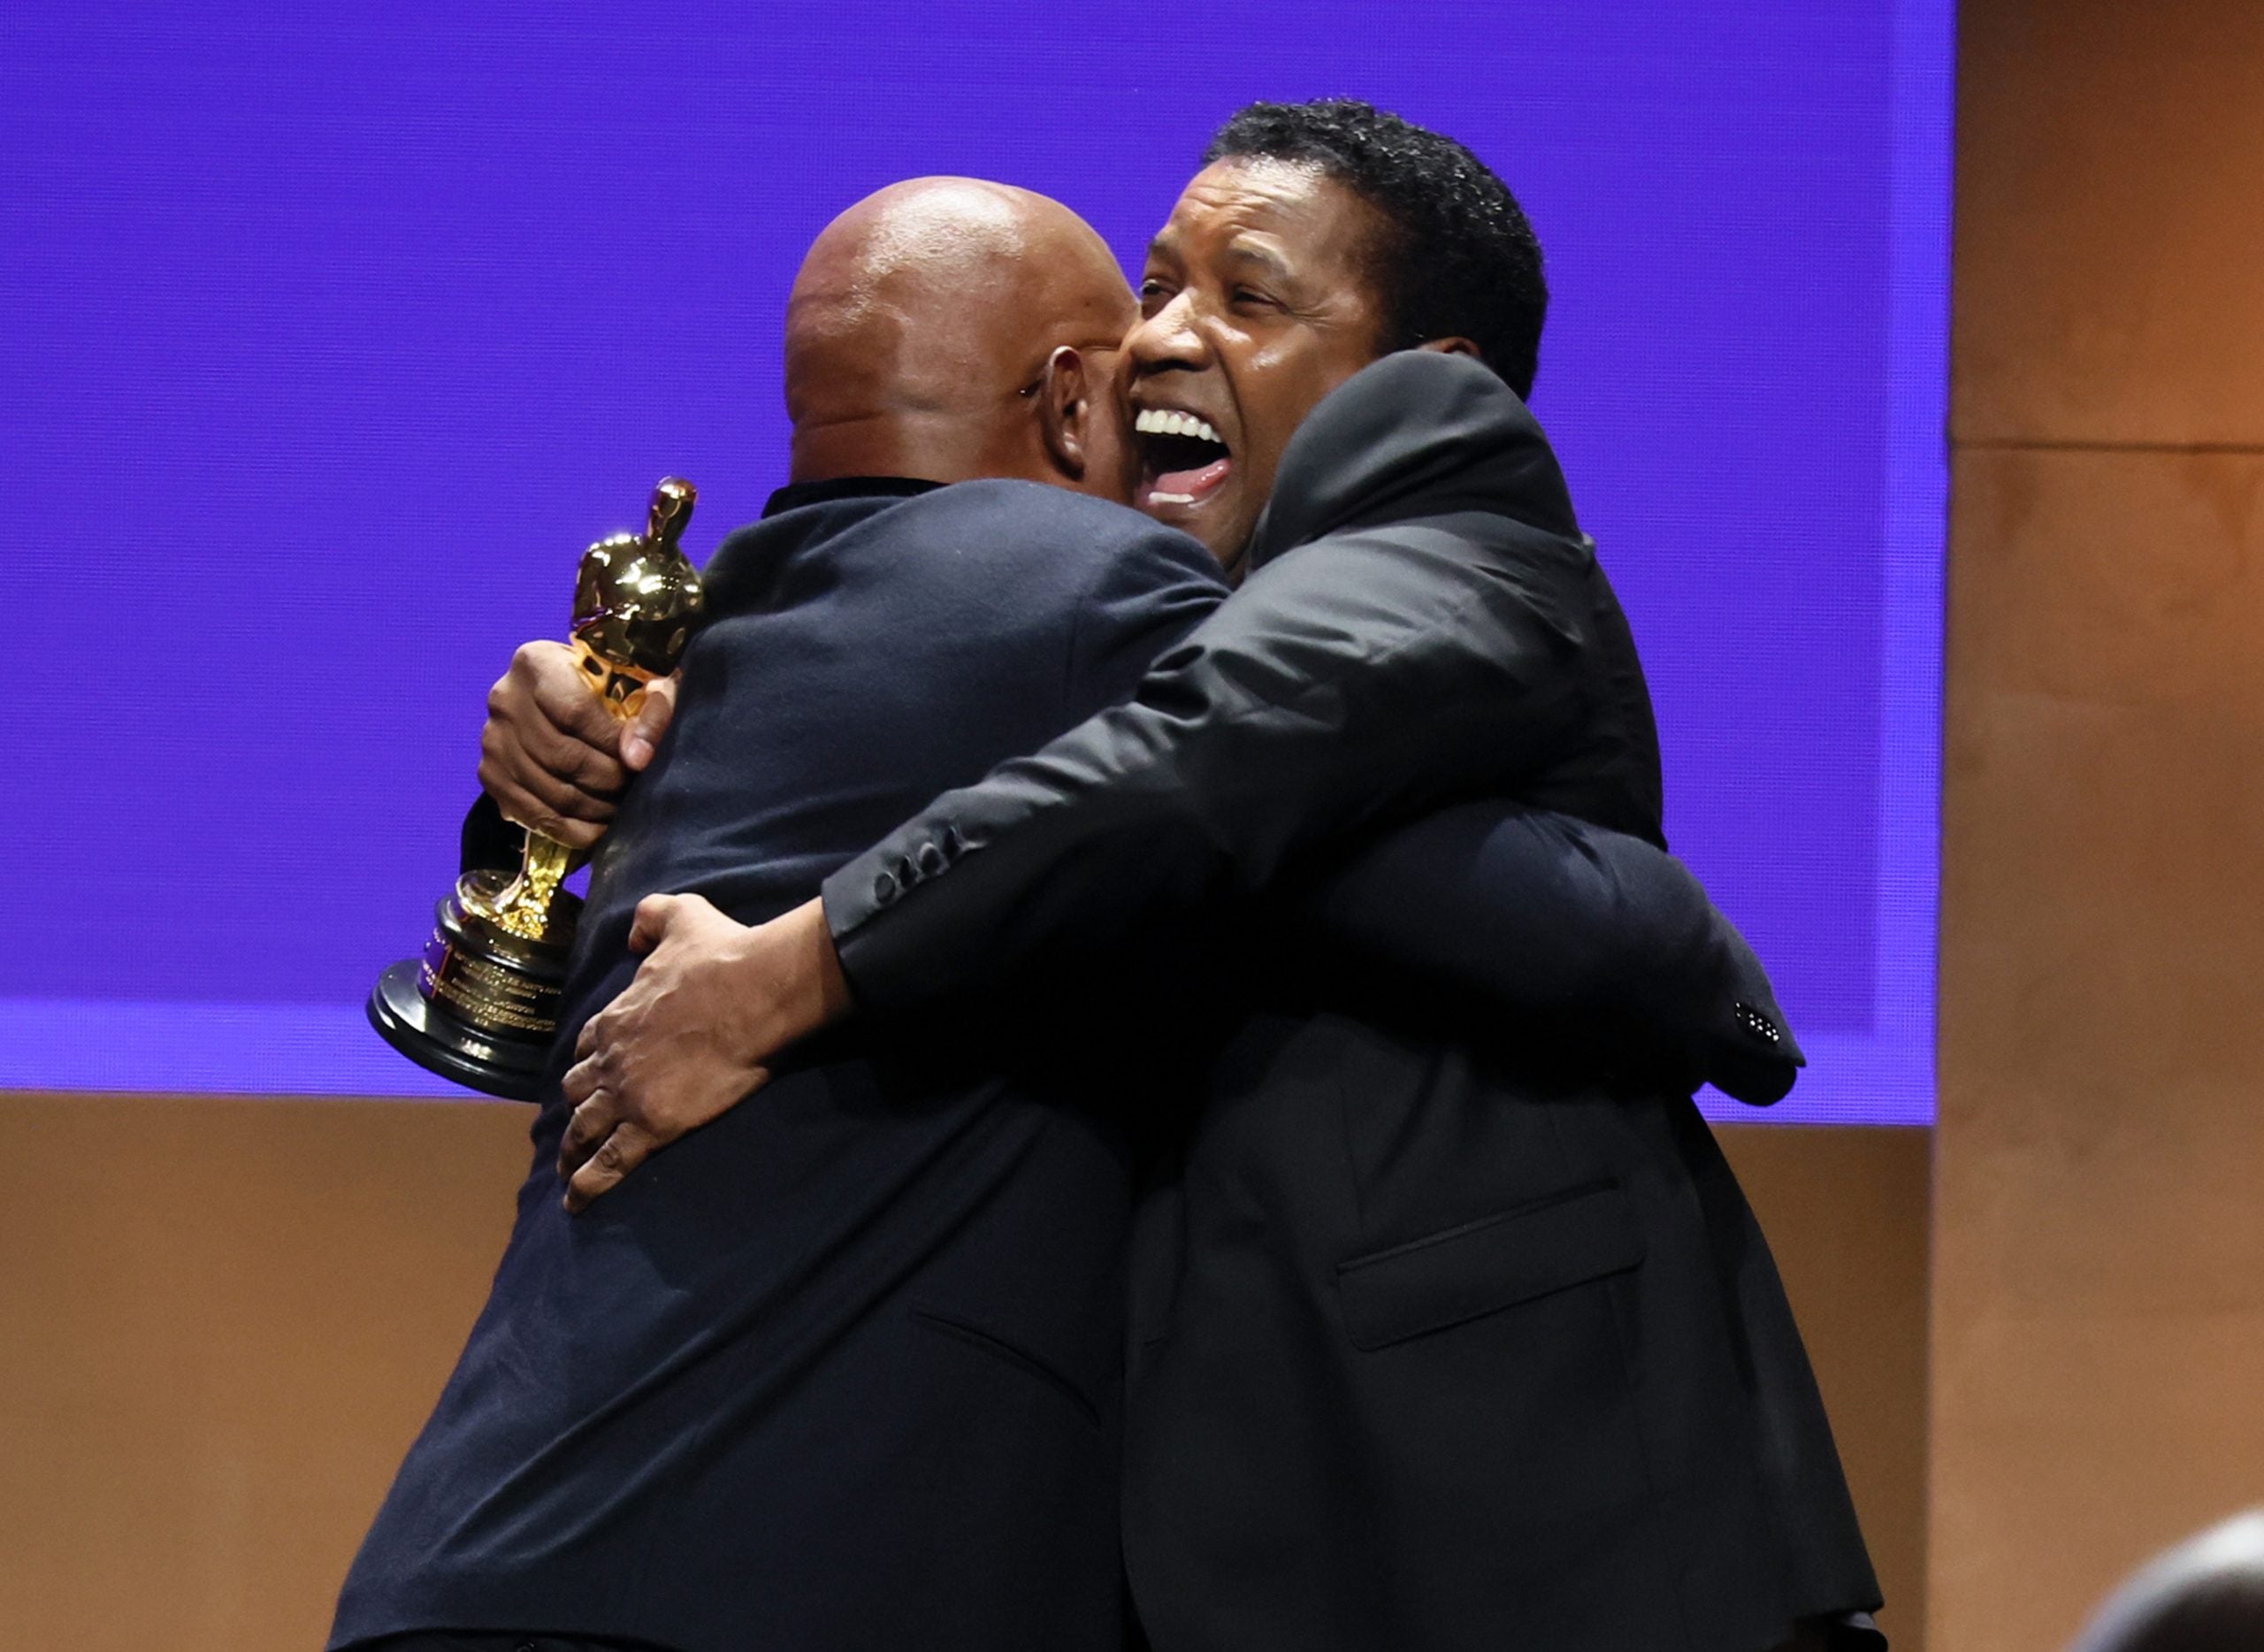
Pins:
<point x="1458" y="257"/>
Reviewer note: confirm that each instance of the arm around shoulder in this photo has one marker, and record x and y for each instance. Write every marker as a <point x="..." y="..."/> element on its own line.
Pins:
<point x="1366" y="675"/>
<point x="1537" y="917"/>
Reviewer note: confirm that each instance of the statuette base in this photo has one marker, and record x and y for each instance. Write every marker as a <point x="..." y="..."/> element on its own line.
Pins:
<point x="481" y="1006"/>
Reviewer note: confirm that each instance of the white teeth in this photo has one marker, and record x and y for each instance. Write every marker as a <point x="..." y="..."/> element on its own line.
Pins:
<point x="1168" y="422"/>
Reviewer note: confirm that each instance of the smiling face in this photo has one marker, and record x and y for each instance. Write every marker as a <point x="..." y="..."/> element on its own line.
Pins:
<point x="1256" y="302"/>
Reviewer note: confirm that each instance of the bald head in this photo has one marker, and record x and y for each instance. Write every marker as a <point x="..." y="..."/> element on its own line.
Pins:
<point x="922" y="333"/>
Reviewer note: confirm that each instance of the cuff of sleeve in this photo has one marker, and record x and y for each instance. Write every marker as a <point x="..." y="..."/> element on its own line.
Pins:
<point x="889" y="960"/>
<point x="1755" y="1059"/>
<point x="855" y="897"/>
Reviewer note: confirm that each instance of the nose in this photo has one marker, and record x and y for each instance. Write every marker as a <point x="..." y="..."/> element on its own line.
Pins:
<point x="1170" y="338"/>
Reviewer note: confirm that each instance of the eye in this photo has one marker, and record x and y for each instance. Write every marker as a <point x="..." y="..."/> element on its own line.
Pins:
<point x="1155" y="292"/>
<point x="1252" y="298"/>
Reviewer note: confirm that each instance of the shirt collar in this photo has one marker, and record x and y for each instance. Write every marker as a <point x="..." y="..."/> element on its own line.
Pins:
<point x="795" y="495"/>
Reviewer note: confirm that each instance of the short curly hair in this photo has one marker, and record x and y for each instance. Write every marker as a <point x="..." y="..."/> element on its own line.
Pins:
<point x="1460" y="260"/>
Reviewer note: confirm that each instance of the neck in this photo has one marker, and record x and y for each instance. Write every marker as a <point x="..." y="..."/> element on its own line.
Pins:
<point x="930" y="448"/>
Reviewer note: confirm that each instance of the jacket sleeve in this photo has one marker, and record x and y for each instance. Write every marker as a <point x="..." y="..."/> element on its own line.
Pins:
<point x="1540" y="918"/>
<point x="1352" y="682"/>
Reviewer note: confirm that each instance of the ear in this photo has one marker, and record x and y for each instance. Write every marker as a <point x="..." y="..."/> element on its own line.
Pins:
<point x="1452" y="347"/>
<point x="1064" y="409"/>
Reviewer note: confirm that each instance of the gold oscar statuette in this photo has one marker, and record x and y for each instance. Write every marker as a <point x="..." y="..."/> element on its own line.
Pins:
<point x="481" y="1006"/>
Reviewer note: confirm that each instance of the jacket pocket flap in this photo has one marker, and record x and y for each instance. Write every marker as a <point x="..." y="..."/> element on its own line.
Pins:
<point x="1488" y="1264"/>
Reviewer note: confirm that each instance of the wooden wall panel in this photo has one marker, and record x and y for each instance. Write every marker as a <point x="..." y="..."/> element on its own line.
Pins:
<point x="221" y="1323"/>
<point x="2110" y="248"/>
<point x="2098" y="1250"/>
<point x="2098" y="1309"/>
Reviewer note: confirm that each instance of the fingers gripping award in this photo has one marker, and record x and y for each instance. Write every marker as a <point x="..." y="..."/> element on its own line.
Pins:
<point x="480" y="1006"/>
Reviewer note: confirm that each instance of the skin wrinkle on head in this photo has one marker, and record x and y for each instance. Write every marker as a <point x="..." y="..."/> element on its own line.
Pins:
<point x="922" y="318"/>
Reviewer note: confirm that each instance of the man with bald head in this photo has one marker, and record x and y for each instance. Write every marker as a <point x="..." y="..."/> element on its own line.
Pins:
<point x="891" y="373"/>
<point x="843" y="1370"/>
<point x="925" y="312"/>
<point x="846" y="1374"/>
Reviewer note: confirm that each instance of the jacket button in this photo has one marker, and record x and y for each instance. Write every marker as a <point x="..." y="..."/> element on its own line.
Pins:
<point x="883" y="890"/>
<point x="930" y="859"/>
<point x="1758" y="1024"/>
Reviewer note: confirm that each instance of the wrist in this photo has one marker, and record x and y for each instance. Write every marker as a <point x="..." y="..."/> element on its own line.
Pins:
<point x="792" y="978"/>
<point x="829" y="989"/>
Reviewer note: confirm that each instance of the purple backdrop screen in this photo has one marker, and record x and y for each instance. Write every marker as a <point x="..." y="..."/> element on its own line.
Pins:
<point x="332" y="335"/>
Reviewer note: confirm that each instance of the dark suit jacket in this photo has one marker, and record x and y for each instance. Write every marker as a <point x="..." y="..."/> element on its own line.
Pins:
<point x="1443" y="1341"/>
<point x="842" y="1370"/>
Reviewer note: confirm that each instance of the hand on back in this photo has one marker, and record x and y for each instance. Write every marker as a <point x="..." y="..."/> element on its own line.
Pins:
<point x="552" y="756"/>
<point x="694" y="1034"/>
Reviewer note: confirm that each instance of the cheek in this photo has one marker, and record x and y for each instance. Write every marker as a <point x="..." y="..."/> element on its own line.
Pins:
<point x="1288" y="380"/>
<point x="1348" y="350"/>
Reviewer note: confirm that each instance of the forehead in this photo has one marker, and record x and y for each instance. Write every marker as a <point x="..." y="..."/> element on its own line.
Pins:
<point x="1289" y="212"/>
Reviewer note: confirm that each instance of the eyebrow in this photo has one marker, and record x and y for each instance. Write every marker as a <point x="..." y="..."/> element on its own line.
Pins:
<point x="1166" y="245"/>
<point x="1239" y="252"/>
<point x="1265" y="258"/>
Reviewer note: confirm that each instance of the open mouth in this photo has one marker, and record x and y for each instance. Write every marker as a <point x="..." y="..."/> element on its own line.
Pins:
<point x="1182" y="459"/>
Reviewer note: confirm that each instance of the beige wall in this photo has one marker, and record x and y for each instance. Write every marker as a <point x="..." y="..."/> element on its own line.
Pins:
<point x="2099" y="1301"/>
<point x="221" y="1321"/>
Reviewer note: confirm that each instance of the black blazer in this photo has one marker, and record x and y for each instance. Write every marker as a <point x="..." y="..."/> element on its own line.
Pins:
<point x="843" y="1370"/>
<point x="1447" y="1336"/>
